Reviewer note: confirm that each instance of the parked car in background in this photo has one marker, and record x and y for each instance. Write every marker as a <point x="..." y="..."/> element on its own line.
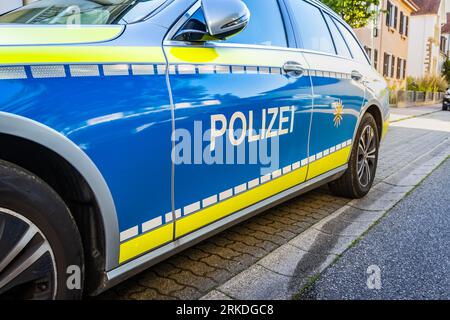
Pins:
<point x="91" y="114"/>
<point x="446" y="100"/>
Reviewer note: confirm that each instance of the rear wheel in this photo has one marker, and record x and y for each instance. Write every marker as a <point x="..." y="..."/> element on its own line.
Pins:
<point x="358" y="178"/>
<point x="39" y="240"/>
<point x="444" y="107"/>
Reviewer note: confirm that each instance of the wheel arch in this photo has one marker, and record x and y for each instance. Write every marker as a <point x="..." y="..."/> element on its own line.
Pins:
<point x="69" y="171"/>
<point x="374" y="108"/>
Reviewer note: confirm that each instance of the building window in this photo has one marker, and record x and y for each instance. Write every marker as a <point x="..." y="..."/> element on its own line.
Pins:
<point x="443" y="44"/>
<point x="403" y="27"/>
<point x="391" y="15"/>
<point x="389" y="66"/>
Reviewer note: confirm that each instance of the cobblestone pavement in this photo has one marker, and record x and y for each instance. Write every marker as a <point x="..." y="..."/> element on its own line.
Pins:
<point x="196" y="271"/>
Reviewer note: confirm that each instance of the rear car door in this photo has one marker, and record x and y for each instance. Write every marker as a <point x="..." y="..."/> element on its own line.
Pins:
<point x="241" y="117"/>
<point x="337" y="86"/>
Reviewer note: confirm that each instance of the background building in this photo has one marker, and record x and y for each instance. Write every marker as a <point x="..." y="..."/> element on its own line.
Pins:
<point x="386" y="40"/>
<point x="445" y="36"/>
<point x="426" y="44"/>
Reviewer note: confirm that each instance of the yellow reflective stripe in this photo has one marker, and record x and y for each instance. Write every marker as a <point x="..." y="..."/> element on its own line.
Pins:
<point x="385" y="129"/>
<point x="146" y="242"/>
<point x="79" y="54"/>
<point x="153" y="239"/>
<point x="330" y="162"/>
<point x="226" y="56"/>
<point x="29" y="35"/>
<point x="222" y="209"/>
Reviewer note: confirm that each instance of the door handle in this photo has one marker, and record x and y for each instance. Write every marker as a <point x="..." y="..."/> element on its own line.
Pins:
<point x="356" y="75"/>
<point x="293" y="69"/>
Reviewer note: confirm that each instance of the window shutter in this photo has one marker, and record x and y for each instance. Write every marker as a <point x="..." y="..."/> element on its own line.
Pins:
<point x="385" y="64"/>
<point x="388" y="14"/>
<point x="395" y="16"/>
<point x="406" y="25"/>
<point x="401" y="22"/>
<point x="399" y="64"/>
<point x="404" y="69"/>
<point x="375" y="59"/>
<point x="392" y="66"/>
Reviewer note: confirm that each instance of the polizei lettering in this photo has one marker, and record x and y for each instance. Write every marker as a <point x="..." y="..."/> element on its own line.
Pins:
<point x="273" y="122"/>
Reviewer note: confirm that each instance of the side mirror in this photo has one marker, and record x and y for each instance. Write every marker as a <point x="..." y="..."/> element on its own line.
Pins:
<point x="222" y="19"/>
<point x="225" y="18"/>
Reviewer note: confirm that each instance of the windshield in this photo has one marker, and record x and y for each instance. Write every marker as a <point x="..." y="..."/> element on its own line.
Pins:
<point x="78" y="12"/>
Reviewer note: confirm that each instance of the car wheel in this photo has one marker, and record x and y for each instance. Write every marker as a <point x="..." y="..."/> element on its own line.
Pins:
<point x="358" y="178"/>
<point x="444" y="107"/>
<point x="39" y="240"/>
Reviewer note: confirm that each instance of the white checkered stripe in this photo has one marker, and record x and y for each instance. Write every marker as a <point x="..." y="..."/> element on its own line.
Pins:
<point x="114" y="70"/>
<point x="226" y="194"/>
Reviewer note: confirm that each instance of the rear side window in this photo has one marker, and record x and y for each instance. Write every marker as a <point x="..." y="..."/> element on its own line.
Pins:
<point x="339" y="41"/>
<point x="357" y="51"/>
<point x="265" y="27"/>
<point x="311" y="27"/>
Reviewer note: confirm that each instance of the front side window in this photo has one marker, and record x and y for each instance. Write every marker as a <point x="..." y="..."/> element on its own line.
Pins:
<point x="265" y="27"/>
<point x="78" y="12"/>
<point x="312" y="27"/>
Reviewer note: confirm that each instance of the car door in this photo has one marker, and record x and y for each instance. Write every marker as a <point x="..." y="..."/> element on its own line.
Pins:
<point x="338" y="90"/>
<point x="242" y="113"/>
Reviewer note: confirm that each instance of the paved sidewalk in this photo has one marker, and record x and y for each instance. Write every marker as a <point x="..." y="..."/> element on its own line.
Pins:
<point x="410" y="247"/>
<point x="201" y="269"/>
<point x="409" y="112"/>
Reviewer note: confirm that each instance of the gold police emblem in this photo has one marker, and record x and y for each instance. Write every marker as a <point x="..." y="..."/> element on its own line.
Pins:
<point x="338" y="112"/>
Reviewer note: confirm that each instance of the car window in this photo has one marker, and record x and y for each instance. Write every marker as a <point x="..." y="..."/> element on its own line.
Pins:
<point x="355" y="48"/>
<point x="78" y="12"/>
<point x="339" y="42"/>
<point x="311" y="27"/>
<point x="265" y="27"/>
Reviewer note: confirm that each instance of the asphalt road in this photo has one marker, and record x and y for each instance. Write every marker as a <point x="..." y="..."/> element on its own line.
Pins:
<point x="410" y="246"/>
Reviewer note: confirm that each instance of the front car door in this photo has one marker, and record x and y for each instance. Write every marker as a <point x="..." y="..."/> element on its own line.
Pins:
<point x="338" y="89"/>
<point x="241" y="122"/>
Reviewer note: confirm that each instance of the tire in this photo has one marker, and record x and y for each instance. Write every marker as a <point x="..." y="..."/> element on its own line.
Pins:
<point x="444" y="107"/>
<point x="39" y="240"/>
<point x="351" y="185"/>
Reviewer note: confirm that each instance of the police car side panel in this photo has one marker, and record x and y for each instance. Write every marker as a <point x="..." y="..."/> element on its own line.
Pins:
<point x="222" y="82"/>
<point x="111" y="100"/>
<point x="338" y="100"/>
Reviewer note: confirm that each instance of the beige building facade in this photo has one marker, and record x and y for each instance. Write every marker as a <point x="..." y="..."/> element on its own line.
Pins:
<point x="386" y="39"/>
<point x="427" y="47"/>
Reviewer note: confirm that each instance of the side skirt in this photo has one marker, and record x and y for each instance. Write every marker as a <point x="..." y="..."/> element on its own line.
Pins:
<point x="145" y="261"/>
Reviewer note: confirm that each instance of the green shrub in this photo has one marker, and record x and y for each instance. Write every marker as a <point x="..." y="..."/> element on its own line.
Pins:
<point x="427" y="84"/>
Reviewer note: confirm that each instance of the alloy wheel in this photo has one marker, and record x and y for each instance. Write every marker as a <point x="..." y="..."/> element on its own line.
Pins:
<point x="27" y="264"/>
<point x="366" y="156"/>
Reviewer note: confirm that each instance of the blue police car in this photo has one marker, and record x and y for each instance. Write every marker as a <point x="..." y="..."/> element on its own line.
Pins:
<point x="130" y="130"/>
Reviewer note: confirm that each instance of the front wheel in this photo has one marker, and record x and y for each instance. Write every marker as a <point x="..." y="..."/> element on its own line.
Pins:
<point x="39" y="240"/>
<point x="444" y="107"/>
<point x="358" y="178"/>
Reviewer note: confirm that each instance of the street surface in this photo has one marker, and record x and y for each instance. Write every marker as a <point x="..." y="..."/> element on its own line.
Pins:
<point x="210" y="267"/>
<point x="410" y="246"/>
